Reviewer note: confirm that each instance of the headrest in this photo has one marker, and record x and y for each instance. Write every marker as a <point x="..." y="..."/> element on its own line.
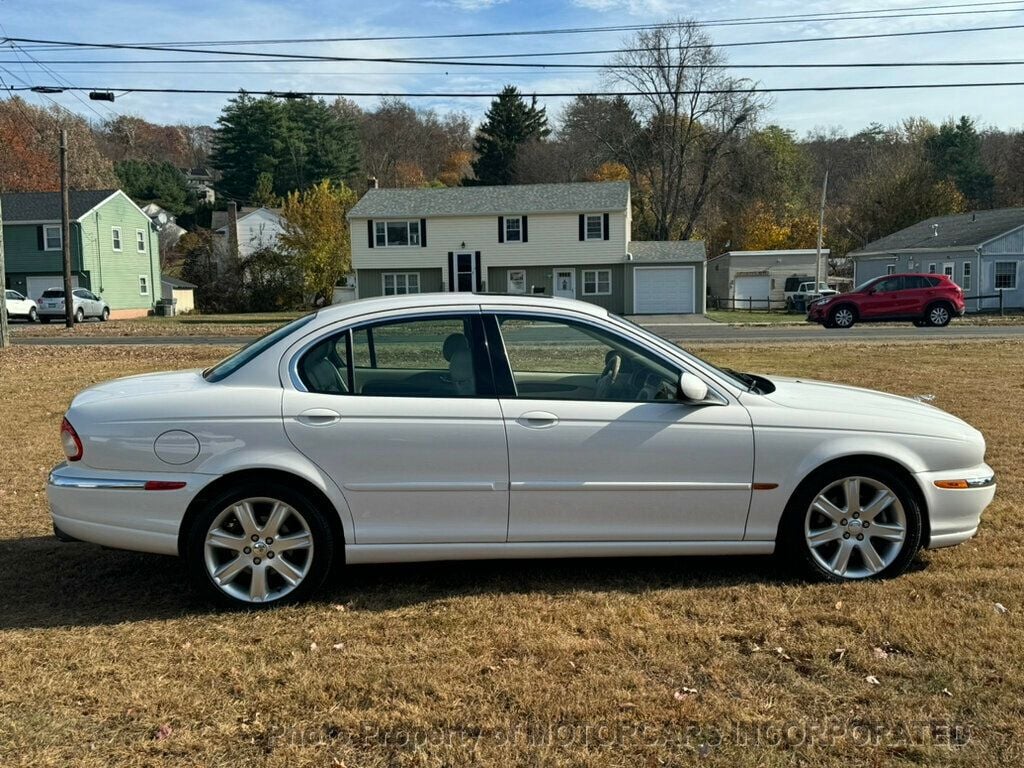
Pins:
<point x="454" y="343"/>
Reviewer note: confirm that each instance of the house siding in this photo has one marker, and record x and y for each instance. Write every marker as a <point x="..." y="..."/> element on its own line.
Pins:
<point x="542" y="278"/>
<point x="115" y="274"/>
<point x="723" y="270"/>
<point x="370" y="282"/>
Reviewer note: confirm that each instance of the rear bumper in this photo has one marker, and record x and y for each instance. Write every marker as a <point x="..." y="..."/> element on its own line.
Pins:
<point x="115" y="510"/>
<point x="954" y="514"/>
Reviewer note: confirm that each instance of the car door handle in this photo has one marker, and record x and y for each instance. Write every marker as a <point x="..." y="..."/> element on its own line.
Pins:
<point x="318" y="417"/>
<point x="537" y="419"/>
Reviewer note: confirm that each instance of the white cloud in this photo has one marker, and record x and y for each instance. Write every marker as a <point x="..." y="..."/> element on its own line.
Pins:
<point x="469" y="5"/>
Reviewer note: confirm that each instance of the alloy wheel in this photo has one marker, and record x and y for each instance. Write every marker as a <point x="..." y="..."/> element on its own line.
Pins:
<point x="843" y="317"/>
<point x="855" y="527"/>
<point x="258" y="550"/>
<point x="938" y="315"/>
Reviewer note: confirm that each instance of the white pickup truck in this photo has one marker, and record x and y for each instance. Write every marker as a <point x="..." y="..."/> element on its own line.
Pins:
<point x="806" y="291"/>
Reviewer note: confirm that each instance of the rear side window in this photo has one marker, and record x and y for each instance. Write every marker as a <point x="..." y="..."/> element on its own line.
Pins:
<point x="236" y="360"/>
<point x="933" y="282"/>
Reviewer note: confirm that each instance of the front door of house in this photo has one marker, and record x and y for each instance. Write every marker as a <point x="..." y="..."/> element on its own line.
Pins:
<point x="565" y="283"/>
<point x="465" y="272"/>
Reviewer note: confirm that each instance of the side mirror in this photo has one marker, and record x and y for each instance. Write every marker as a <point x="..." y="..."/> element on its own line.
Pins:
<point x="692" y="389"/>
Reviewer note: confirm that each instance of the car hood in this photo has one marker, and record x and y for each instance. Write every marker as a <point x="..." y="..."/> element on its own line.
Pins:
<point x="149" y="384"/>
<point x="844" y="407"/>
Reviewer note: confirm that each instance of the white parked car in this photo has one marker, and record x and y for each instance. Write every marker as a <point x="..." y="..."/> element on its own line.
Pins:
<point x="458" y="426"/>
<point x="87" y="304"/>
<point x="18" y="306"/>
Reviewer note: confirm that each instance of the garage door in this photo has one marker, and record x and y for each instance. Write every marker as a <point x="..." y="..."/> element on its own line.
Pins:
<point x="752" y="287"/>
<point x="36" y="285"/>
<point x="663" y="290"/>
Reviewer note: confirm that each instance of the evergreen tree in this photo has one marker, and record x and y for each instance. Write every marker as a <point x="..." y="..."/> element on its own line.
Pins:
<point x="955" y="153"/>
<point x="159" y="183"/>
<point x="510" y="123"/>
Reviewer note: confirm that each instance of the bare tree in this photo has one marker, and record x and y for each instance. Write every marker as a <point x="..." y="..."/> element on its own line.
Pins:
<point x="690" y="114"/>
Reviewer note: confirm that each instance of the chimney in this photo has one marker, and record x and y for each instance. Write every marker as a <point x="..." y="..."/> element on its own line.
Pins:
<point x="233" y="229"/>
<point x="371" y="182"/>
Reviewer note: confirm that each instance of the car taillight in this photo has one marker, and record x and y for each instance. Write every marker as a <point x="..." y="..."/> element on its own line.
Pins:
<point x="69" y="439"/>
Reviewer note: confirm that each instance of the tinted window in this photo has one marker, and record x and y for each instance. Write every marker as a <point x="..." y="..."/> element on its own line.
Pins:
<point x="914" y="282"/>
<point x="53" y="293"/>
<point x="564" y="360"/>
<point x="236" y="360"/>
<point x="80" y="293"/>
<point x="889" y="285"/>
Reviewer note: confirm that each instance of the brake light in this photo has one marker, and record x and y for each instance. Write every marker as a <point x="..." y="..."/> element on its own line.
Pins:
<point x="69" y="439"/>
<point x="163" y="485"/>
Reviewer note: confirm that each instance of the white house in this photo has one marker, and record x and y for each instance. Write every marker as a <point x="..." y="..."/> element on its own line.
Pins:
<point x="257" y="228"/>
<point x="750" y="278"/>
<point x="569" y="240"/>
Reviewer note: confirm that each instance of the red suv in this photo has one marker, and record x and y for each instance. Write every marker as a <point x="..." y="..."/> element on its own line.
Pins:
<point x="923" y="299"/>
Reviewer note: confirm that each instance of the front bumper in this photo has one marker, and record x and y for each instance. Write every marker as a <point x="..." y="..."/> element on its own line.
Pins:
<point x="954" y="514"/>
<point x="115" y="510"/>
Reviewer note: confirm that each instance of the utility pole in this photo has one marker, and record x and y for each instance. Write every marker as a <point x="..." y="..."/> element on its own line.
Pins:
<point x="65" y="231"/>
<point x="821" y="233"/>
<point x="5" y="338"/>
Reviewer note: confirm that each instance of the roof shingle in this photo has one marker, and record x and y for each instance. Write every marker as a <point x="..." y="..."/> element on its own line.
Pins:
<point x="967" y="230"/>
<point x="45" y="206"/>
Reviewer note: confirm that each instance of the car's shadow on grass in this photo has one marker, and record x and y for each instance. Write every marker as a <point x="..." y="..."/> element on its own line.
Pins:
<point x="47" y="583"/>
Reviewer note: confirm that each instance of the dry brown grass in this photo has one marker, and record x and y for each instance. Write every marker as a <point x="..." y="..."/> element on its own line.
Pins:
<point x="521" y="663"/>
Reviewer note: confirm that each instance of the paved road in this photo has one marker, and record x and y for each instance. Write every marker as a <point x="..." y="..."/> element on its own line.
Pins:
<point x="682" y="332"/>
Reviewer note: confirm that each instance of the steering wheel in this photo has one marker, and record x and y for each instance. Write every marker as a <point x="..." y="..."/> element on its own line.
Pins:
<point x="612" y="367"/>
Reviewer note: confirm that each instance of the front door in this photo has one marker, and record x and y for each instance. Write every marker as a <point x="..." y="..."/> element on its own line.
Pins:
<point x="882" y="299"/>
<point x="600" y="449"/>
<point x="465" y="272"/>
<point x="403" y="417"/>
<point x="565" y="283"/>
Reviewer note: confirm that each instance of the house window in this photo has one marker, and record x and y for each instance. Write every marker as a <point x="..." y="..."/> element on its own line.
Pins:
<point x="597" y="282"/>
<point x="965" y="281"/>
<point x="389" y="234"/>
<point x="890" y="269"/>
<point x="513" y="229"/>
<point x="517" y="281"/>
<point x="931" y="269"/>
<point x="51" y="238"/>
<point x="115" y="238"/>
<point x="143" y="285"/>
<point x="140" y="241"/>
<point x="947" y="269"/>
<point x="398" y="283"/>
<point x="595" y="226"/>
<point x="1006" y="275"/>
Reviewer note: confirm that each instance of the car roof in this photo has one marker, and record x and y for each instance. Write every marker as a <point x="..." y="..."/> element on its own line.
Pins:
<point x="455" y="300"/>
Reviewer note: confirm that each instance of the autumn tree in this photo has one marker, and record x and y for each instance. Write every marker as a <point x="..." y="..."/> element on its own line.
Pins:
<point x="509" y="124"/>
<point x="316" y="237"/>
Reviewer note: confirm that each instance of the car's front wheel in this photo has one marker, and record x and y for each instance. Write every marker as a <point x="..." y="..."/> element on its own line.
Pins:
<point x="850" y="523"/>
<point x="79" y="315"/>
<point x="842" y="317"/>
<point x="258" y="545"/>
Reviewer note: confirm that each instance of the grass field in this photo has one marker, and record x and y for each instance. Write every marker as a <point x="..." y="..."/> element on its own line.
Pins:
<point x="107" y="658"/>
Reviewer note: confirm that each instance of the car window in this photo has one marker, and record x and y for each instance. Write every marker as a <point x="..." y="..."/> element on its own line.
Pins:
<point x="552" y="358"/>
<point x="422" y="357"/>
<point x="889" y="285"/>
<point x="53" y="293"/>
<point x="913" y="282"/>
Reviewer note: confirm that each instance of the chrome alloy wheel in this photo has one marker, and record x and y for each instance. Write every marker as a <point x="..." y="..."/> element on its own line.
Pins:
<point x="938" y="315"/>
<point x="855" y="527"/>
<point x="258" y="549"/>
<point x="843" y="317"/>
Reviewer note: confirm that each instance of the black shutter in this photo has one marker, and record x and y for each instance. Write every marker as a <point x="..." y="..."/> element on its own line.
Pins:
<point x="451" y="271"/>
<point x="479" y="277"/>
<point x="369" y="231"/>
<point x="40" y="239"/>
<point x="526" y="233"/>
<point x="606" y="226"/>
<point x="423" y="233"/>
<point x="501" y="229"/>
<point x="583" y="227"/>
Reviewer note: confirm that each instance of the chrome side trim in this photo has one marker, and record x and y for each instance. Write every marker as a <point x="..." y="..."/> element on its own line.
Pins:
<point x="416" y="487"/>
<point x="628" y="486"/>
<point x="107" y="484"/>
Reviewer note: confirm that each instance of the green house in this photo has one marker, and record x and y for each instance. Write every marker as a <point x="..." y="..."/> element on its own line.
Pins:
<point x="114" y="248"/>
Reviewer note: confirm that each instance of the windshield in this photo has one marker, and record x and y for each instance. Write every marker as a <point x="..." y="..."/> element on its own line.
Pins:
<point x="739" y="380"/>
<point x="236" y="360"/>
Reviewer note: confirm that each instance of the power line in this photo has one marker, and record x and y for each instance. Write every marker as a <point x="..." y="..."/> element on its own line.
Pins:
<point x="63" y="82"/>
<point x="489" y="95"/>
<point x="476" y="59"/>
<point x="934" y="10"/>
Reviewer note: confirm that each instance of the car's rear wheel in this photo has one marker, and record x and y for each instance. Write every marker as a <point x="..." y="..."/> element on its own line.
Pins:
<point x="258" y="545"/>
<point x="79" y="315"/>
<point x="842" y="317"/>
<point x="939" y="314"/>
<point x="105" y="315"/>
<point x="850" y="523"/>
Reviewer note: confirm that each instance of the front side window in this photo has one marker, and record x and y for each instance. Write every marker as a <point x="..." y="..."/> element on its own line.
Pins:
<point x="513" y="229"/>
<point x="399" y="283"/>
<point x="115" y="238"/>
<point x="140" y="241"/>
<point x="595" y="226"/>
<point x="425" y="357"/>
<point x="557" y="359"/>
<point x="597" y="282"/>
<point x="889" y="285"/>
<point x="51" y="238"/>
<point x="965" y="280"/>
<point x="14" y="296"/>
<point x="1006" y="275"/>
<point x="388" y="234"/>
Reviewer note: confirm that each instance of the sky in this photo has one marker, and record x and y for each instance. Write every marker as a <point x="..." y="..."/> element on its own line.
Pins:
<point x="204" y="20"/>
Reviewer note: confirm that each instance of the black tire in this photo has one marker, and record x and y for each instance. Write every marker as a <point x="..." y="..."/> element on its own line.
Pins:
<point x="79" y="315"/>
<point x="33" y="316"/>
<point x="105" y="315"/>
<point x="321" y="552"/>
<point x="938" y="314"/>
<point x="843" y="316"/>
<point x="795" y="551"/>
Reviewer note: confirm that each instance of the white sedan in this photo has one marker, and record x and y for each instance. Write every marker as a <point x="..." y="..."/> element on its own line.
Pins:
<point x="459" y="426"/>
